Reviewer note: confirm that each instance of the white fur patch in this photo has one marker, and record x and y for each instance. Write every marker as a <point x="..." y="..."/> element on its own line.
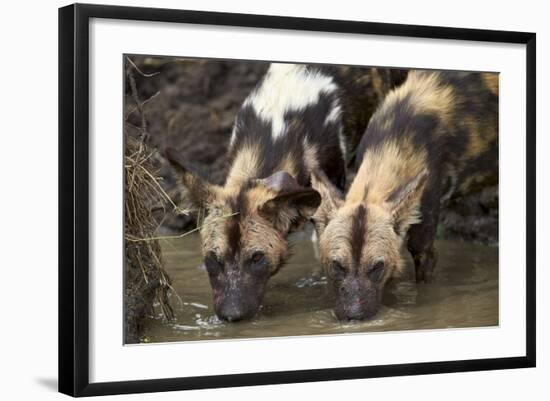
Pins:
<point x="287" y="87"/>
<point x="342" y="142"/>
<point x="315" y="243"/>
<point x="334" y="114"/>
<point x="332" y="117"/>
<point x="233" y="136"/>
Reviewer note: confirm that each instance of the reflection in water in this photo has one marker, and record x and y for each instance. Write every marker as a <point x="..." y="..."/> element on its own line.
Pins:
<point x="298" y="300"/>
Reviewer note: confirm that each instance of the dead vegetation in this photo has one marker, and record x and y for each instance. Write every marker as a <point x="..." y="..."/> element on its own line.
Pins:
<point x="146" y="282"/>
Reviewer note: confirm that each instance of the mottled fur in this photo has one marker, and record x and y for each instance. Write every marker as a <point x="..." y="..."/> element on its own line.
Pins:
<point x="433" y="138"/>
<point x="289" y="126"/>
<point x="363" y="89"/>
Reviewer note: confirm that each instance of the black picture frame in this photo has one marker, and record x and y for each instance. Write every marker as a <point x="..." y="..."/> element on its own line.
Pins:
<point x="74" y="198"/>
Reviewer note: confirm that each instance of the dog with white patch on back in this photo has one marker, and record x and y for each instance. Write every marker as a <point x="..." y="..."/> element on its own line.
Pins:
<point x="288" y="126"/>
<point x="432" y="139"/>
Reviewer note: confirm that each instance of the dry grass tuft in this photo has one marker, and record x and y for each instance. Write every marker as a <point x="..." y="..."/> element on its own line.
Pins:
<point x="146" y="281"/>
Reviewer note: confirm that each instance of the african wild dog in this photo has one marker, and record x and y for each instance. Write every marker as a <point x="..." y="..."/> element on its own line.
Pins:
<point x="434" y="137"/>
<point x="288" y="126"/>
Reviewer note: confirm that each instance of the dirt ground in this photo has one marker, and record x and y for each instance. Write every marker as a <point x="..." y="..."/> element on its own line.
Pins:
<point x="190" y="105"/>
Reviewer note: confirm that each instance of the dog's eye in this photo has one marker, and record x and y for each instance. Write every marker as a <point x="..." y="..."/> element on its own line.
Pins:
<point x="337" y="269"/>
<point x="258" y="264"/>
<point x="376" y="271"/>
<point x="257" y="258"/>
<point x="213" y="265"/>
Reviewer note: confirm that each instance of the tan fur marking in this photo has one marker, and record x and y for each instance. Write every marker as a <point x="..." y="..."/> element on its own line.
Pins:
<point x="310" y="156"/>
<point x="427" y="94"/>
<point x="386" y="123"/>
<point x="244" y="167"/>
<point x="258" y="196"/>
<point x="335" y="241"/>
<point x="382" y="241"/>
<point x="477" y="142"/>
<point x="477" y="180"/>
<point x="259" y="235"/>
<point x="491" y="82"/>
<point x="394" y="162"/>
<point x="288" y="164"/>
<point x="377" y="82"/>
<point x="212" y="231"/>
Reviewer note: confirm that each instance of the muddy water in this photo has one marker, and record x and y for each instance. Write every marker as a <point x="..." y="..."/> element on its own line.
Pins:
<point x="298" y="300"/>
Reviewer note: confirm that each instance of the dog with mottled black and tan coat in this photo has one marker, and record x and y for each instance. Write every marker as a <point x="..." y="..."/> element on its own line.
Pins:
<point x="433" y="138"/>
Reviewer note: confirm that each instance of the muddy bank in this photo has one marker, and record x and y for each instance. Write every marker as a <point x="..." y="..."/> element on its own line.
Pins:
<point x="472" y="218"/>
<point x="191" y="105"/>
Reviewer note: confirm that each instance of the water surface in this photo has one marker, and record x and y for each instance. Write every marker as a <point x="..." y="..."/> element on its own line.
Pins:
<point x="298" y="300"/>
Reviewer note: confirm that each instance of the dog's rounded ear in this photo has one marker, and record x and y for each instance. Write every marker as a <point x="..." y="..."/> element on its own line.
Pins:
<point x="280" y="182"/>
<point x="331" y="200"/>
<point x="201" y="192"/>
<point x="304" y="201"/>
<point x="292" y="203"/>
<point x="404" y="202"/>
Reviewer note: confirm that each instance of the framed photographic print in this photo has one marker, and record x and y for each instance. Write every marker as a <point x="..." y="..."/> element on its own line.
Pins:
<point x="249" y="199"/>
